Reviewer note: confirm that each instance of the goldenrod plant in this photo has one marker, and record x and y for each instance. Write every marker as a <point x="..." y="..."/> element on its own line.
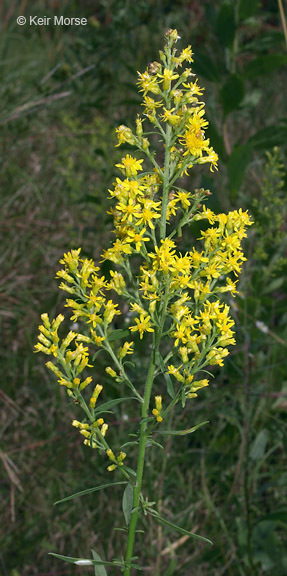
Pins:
<point x="174" y="296"/>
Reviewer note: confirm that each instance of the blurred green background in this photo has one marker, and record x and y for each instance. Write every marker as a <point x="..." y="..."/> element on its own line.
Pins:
<point x="63" y="91"/>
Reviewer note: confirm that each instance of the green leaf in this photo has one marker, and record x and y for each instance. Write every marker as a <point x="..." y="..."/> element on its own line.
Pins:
<point x="111" y="404"/>
<point x="274" y="285"/>
<point x="232" y="93"/>
<point x="259" y="445"/>
<point x="269" y="137"/>
<point x="134" y="443"/>
<point x="181" y="530"/>
<point x="204" y="66"/>
<point x="118" y="334"/>
<point x="147" y="419"/>
<point x="182" y="432"/>
<point x="247" y="8"/>
<point x="151" y="442"/>
<point x="84" y="561"/>
<point x="225" y="25"/>
<point x="169" y="386"/>
<point x="99" y="570"/>
<point x="130" y="471"/>
<point x="264" y="65"/>
<point x="128" y="503"/>
<point x="236" y="165"/>
<point x="89" y="491"/>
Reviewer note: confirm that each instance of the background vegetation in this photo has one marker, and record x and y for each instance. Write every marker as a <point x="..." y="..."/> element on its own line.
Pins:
<point x="63" y="91"/>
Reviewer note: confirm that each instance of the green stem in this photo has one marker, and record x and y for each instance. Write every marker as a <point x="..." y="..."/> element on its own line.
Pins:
<point x="120" y="367"/>
<point x="141" y="457"/>
<point x="166" y="183"/>
<point x="144" y="433"/>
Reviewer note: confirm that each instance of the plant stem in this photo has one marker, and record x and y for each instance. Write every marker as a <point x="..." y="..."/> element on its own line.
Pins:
<point x="141" y="456"/>
<point x="150" y="377"/>
<point x="166" y="183"/>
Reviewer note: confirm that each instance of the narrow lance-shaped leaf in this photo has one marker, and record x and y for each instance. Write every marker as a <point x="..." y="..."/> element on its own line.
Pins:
<point x="99" y="570"/>
<point x="128" y="503"/>
<point x="181" y="530"/>
<point x="182" y="432"/>
<point x="89" y="491"/>
<point x="84" y="561"/>
<point x="112" y="403"/>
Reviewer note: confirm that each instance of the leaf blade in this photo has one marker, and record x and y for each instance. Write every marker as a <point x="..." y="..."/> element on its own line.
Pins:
<point x="83" y="561"/>
<point x="99" y="570"/>
<point x="88" y="491"/>
<point x="182" y="432"/>
<point x="127" y="503"/>
<point x="112" y="403"/>
<point x="181" y="530"/>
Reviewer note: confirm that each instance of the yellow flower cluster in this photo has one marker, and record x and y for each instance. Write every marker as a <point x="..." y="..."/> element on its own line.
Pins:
<point x="174" y="296"/>
<point x="82" y="281"/>
<point x="73" y="362"/>
<point x="90" y="305"/>
<point x="158" y="408"/>
<point x="182" y="110"/>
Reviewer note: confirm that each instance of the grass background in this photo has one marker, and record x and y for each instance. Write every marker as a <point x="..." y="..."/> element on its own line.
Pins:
<point x="63" y="91"/>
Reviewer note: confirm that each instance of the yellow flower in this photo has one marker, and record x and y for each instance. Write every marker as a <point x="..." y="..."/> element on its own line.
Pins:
<point x="137" y="308"/>
<point x="186" y="54"/>
<point x="197" y="123"/>
<point x="194" y="143"/>
<point x="183" y="198"/>
<point x="167" y="77"/>
<point x="117" y="251"/>
<point x="104" y="429"/>
<point x="130" y="165"/>
<point x="176" y="373"/>
<point x="137" y="238"/>
<point x="95" y="395"/>
<point x="150" y="106"/>
<point x="117" y="282"/>
<point x="173" y="119"/>
<point x="143" y="325"/>
<point x="127" y="348"/>
<point x="211" y="157"/>
<point x="120" y="458"/>
<point x="171" y="208"/>
<point x="148" y="83"/>
<point x="216" y="355"/>
<point x="197" y="258"/>
<point x="71" y="259"/>
<point x="158" y="408"/>
<point x="193" y="88"/>
<point x="97" y="339"/>
<point x="129" y="210"/>
<point x="125" y="135"/>
<point x="181" y="334"/>
<point x="111" y="372"/>
<point x="110" y="311"/>
<point x="148" y="214"/>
